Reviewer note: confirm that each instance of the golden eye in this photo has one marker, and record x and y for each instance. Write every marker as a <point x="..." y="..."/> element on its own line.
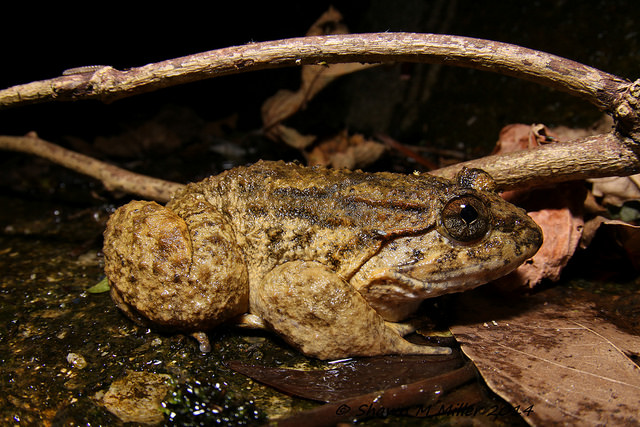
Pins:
<point x="466" y="218"/>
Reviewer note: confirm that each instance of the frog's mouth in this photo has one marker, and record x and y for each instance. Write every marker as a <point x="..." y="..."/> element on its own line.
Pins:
<point x="447" y="267"/>
<point x="397" y="292"/>
<point x="435" y="280"/>
<point x="412" y="269"/>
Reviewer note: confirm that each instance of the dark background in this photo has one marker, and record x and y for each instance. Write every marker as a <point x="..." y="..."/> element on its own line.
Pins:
<point x="465" y="111"/>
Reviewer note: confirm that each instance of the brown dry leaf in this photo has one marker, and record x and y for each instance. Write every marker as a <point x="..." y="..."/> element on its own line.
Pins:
<point x="416" y="399"/>
<point x="572" y="367"/>
<point x="562" y="232"/>
<point x="344" y="151"/>
<point x="627" y="235"/>
<point x="352" y="377"/>
<point x="557" y="211"/>
<point x="616" y="190"/>
<point x="286" y="103"/>
<point x="283" y="104"/>
<point x="517" y="137"/>
<point x="293" y="138"/>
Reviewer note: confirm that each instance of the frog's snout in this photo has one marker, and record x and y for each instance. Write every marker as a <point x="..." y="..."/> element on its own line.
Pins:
<point x="534" y="236"/>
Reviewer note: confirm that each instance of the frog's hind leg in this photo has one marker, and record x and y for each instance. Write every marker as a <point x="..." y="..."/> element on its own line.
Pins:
<point x="323" y="316"/>
<point x="178" y="268"/>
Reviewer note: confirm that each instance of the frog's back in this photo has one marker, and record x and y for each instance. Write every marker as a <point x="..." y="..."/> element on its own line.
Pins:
<point x="285" y="211"/>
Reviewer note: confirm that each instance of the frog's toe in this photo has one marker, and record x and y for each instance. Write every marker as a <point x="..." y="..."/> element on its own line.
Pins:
<point x="250" y="321"/>
<point x="203" y="341"/>
<point x="401" y="329"/>
<point x="411" y="348"/>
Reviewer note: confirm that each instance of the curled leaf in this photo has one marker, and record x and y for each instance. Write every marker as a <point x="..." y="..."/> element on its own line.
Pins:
<point x="286" y="103"/>
<point x="616" y="190"/>
<point x="346" y="151"/>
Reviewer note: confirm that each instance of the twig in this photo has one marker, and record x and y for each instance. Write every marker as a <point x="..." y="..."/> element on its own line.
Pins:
<point x="592" y="157"/>
<point x="108" y="84"/>
<point x="408" y="152"/>
<point x="113" y="178"/>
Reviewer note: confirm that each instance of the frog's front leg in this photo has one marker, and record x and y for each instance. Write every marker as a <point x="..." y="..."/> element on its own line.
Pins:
<point x="179" y="268"/>
<point x="323" y="316"/>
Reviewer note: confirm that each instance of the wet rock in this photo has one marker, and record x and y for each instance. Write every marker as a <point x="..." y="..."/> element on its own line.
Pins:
<point x="136" y="397"/>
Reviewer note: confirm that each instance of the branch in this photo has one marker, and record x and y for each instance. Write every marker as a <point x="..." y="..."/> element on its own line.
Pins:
<point x="616" y="153"/>
<point x="108" y="84"/>
<point x="592" y="157"/>
<point x="113" y="178"/>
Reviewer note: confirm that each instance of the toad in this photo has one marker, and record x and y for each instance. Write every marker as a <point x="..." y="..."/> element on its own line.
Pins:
<point x="330" y="260"/>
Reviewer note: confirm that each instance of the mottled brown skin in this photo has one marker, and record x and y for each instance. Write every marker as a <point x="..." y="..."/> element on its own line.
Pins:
<point x="325" y="258"/>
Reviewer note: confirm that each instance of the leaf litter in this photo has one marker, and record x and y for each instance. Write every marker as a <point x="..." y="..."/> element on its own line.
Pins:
<point x="559" y="354"/>
<point x="562" y="357"/>
<point x="562" y="211"/>
<point x="340" y="151"/>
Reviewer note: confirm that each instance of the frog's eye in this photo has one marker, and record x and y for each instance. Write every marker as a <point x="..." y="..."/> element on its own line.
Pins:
<point x="466" y="218"/>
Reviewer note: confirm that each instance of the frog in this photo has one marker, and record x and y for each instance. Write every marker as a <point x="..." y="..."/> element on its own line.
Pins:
<point x="333" y="261"/>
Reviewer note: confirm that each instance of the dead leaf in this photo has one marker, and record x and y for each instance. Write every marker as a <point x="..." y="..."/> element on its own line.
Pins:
<point x="293" y="138"/>
<point x="563" y="230"/>
<point x="592" y="207"/>
<point x="330" y="22"/>
<point x="418" y="399"/>
<point x="616" y="190"/>
<point x="352" y="377"/>
<point x="286" y="103"/>
<point x="283" y="104"/>
<point x="559" y="213"/>
<point x="565" y="362"/>
<point x="517" y="137"/>
<point x="627" y="236"/>
<point x="407" y="151"/>
<point x="344" y="151"/>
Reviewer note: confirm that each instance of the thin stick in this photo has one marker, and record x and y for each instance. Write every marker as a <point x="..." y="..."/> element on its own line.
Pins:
<point x="108" y="84"/>
<point x="592" y="157"/>
<point x="113" y="178"/>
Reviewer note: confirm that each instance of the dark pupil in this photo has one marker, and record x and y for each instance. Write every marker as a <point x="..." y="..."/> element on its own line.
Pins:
<point x="468" y="213"/>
